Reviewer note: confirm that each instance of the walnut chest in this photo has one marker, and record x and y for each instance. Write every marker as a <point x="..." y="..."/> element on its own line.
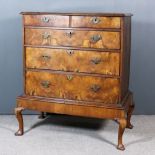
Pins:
<point x="77" y="64"/>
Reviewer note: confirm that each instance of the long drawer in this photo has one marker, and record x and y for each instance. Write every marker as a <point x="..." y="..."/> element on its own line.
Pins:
<point x="74" y="87"/>
<point x="72" y="38"/>
<point x="73" y="60"/>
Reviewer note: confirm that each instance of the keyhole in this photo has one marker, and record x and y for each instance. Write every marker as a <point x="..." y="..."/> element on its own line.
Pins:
<point x="69" y="34"/>
<point x="70" y="52"/>
<point x="95" y="20"/>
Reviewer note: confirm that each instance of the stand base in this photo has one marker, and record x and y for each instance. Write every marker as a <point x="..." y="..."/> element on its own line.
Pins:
<point x="115" y="112"/>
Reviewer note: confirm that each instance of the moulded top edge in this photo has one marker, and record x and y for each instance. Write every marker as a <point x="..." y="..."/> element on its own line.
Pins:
<point x="80" y="13"/>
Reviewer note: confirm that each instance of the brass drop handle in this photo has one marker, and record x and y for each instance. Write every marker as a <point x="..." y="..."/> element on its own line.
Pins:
<point x="96" y="60"/>
<point x="46" y="35"/>
<point x="95" y="38"/>
<point x="32" y="92"/>
<point x="69" y="34"/>
<point x="70" y="52"/>
<point x="45" y="19"/>
<point x="77" y="70"/>
<point x="95" y="20"/>
<point x="95" y="88"/>
<point x="45" y="84"/>
<point x="69" y="77"/>
<point x="46" y="57"/>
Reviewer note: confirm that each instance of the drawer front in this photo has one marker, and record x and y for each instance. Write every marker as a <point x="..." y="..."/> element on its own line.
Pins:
<point x="73" y="60"/>
<point x="86" y="39"/>
<point x="46" y="20"/>
<point x="74" y="87"/>
<point x="96" y="22"/>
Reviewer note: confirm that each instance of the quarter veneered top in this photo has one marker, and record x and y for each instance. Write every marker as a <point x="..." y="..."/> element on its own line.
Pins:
<point x="80" y="14"/>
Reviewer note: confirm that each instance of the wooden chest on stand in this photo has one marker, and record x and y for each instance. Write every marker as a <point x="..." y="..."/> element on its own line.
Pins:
<point x="77" y="64"/>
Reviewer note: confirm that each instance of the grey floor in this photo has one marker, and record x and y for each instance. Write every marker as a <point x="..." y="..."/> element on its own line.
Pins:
<point x="64" y="135"/>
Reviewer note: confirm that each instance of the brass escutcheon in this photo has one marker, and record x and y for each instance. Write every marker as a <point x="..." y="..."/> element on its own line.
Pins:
<point x="95" y="38"/>
<point x="46" y="57"/>
<point x="45" y="84"/>
<point x="95" y="88"/>
<point x="95" y="20"/>
<point x="70" y="52"/>
<point x="96" y="60"/>
<point x="46" y="35"/>
<point x="69" y="34"/>
<point x="69" y="77"/>
<point x="45" y="19"/>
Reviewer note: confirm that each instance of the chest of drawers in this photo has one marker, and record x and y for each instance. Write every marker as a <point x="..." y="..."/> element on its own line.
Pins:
<point x="77" y="64"/>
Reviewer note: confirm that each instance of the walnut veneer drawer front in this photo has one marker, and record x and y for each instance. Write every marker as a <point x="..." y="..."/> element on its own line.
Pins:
<point x="73" y="38"/>
<point x="73" y="60"/>
<point x="96" y="22"/>
<point x="74" y="87"/>
<point x="46" y="20"/>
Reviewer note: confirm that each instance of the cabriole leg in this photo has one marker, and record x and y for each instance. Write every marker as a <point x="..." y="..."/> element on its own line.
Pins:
<point x="42" y="115"/>
<point x="122" y="126"/>
<point x="18" y="112"/>
<point x="129" y="113"/>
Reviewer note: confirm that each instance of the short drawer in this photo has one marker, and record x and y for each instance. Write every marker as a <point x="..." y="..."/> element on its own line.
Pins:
<point x="46" y="20"/>
<point x="73" y="60"/>
<point x="96" y="22"/>
<point x="74" y="87"/>
<point x="73" y="38"/>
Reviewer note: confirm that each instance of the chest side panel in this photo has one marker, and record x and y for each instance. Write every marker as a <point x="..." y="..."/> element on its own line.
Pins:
<point x="125" y="56"/>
